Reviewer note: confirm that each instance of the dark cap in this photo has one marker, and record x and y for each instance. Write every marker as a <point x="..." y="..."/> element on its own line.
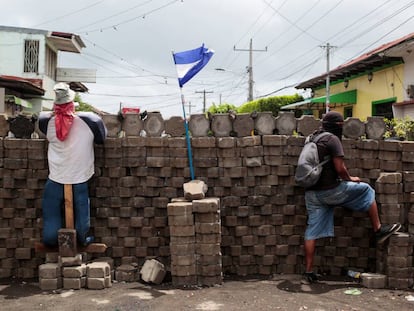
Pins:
<point x="333" y="117"/>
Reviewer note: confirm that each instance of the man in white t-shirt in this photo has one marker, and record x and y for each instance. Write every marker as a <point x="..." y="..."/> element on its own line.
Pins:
<point x="71" y="158"/>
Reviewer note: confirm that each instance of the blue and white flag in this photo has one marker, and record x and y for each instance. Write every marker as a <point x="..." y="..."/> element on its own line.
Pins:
<point x="189" y="63"/>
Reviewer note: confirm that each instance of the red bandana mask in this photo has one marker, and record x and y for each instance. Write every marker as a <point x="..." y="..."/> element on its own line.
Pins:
<point x="64" y="115"/>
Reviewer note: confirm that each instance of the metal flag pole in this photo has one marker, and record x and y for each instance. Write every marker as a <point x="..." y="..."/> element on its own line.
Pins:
<point x="187" y="135"/>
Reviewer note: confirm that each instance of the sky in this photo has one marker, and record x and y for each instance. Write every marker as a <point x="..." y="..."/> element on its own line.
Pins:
<point x="130" y="44"/>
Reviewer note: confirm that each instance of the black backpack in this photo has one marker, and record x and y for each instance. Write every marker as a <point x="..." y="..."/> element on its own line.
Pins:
<point x="309" y="168"/>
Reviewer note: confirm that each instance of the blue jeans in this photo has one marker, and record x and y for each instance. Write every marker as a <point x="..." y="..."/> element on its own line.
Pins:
<point x="320" y="206"/>
<point x="53" y="211"/>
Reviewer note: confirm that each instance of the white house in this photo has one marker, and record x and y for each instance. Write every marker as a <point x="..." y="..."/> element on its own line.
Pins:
<point x="28" y="67"/>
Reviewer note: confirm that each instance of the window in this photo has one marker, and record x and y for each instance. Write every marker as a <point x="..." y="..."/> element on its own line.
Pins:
<point x="51" y="63"/>
<point x="31" y="56"/>
<point x="347" y="112"/>
<point x="383" y="108"/>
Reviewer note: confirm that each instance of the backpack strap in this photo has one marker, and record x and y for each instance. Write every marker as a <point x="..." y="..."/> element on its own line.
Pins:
<point x="315" y="139"/>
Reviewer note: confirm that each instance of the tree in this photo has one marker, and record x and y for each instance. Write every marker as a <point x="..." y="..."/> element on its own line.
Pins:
<point x="223" y="108"/>
<point x="272" y="104"/>
<point x="82" y="105"/>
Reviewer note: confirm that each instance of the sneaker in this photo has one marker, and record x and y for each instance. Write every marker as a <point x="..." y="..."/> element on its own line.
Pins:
<point x="309" y="278"/>
<point x="385" y="231"/>
<point x="89" y="240"/>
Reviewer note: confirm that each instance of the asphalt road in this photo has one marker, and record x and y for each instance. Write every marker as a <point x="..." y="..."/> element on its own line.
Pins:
<point x="281" y="292"/>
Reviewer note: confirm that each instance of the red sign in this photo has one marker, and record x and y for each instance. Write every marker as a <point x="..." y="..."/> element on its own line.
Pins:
<point x="126" y="110"/>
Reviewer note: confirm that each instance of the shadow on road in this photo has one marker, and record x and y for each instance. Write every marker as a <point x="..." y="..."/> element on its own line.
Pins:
<point x="15" y="289"/>
<point x="326" y="284"/>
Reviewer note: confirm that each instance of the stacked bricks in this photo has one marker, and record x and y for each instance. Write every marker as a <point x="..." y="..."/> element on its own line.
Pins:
<point x="50" y="276"/>
<point x="263" y="212"/>
<point x="74" y="277"/>
<point x="195" y="236"/>
<point x="131" y="199"/>
<point x="208" y="241"/>
<point x="71" y="273"/>
<point x="362" y="158"/>
<point x="98" y="275"/>
<point x="389" y="196"/>
<point x="70" y="264"/>
<point x="395" y="260"/>
<point x="408" y="181"/>
<point x="23" y="167"/>
<point x="182" y="243"/>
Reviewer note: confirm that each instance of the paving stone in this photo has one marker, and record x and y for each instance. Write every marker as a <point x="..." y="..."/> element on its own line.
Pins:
<point x="49" y="271"/>
<point x="98" y="269"/>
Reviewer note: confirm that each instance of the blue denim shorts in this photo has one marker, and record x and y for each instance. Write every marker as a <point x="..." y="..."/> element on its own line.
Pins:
<point x="320" y="206"/>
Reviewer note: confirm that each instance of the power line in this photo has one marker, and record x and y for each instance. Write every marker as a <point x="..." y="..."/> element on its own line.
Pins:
<point x="113" y="15"/>
<point x="69" y="14"/>
<point x="114" y="26"/>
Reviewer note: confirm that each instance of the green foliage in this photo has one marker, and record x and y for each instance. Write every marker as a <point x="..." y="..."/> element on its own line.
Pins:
<point x="223" y="108"/>
<point x="82" y="105"/>
<point x="272" y="104"/>
<point x="400" y="128"/>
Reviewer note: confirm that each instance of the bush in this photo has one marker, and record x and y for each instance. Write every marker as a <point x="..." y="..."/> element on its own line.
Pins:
<point x="403" y="129"/>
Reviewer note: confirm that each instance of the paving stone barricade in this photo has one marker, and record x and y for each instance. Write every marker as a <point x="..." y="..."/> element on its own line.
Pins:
<point x="259" y="225"/>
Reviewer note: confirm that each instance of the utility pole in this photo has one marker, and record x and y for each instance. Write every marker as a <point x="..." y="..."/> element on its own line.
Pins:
<point x="250" y="68"/>
<point x="204" y="98"/>
<point x="189" y="108"/>
<point x="328" y="47"/>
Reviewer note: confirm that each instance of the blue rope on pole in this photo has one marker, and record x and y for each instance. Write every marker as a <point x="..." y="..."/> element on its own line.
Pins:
<point x="187" y="135"/>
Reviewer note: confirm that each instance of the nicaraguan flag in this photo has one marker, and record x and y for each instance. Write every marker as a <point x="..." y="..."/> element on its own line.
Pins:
<point x="189" y="63"/>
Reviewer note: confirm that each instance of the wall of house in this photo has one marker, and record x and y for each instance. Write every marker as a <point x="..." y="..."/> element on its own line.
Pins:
<point x="12" y="53"/>
<point x="12" y="63"/>
<point x="262" y="212"/>
<point x="386" y="83"/>
<point x="408" y="72"/>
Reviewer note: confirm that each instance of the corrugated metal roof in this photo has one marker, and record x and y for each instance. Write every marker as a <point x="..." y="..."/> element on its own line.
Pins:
<point x="21" y="85"/>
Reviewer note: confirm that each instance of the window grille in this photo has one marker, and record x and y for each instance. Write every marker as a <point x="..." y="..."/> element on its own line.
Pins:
<point x="51" y="63"/>
<point x="31" y="56"/>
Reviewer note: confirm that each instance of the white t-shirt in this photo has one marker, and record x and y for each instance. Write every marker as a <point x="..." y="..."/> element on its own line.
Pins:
<point x="71" y="161"/>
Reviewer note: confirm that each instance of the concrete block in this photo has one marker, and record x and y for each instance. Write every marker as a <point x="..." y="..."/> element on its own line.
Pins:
<point x="390" y="178"/>
<point x="195" y="190"/>
<point x="74" y="283"/>
<point x="126" y="273"/>
<point x="50" y="284"/>
<point x="374" y="280"/>
<point x="74" y="272"/>
<point x="179" y="207"/>
<point x="400" y="283"/>
<point x="243" y="125"/>
<point x="108" y="281"/>
<point x="49" y="271"/>
<point x="208" y="205"/>
<point x="221" y="124"/>
<point x="70" y="261"/>
<point x="265" y="123"/>
<point x="97" y="270"/>
<point x="52" y="257"/>
<point x="153" y="271"/>
<point x="95" y="283"/>
<point x="375" y="127"/>
<point x="353" y="128"/>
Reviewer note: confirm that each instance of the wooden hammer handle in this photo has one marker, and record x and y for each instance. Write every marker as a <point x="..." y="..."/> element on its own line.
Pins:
<point x="70" y="224"/>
